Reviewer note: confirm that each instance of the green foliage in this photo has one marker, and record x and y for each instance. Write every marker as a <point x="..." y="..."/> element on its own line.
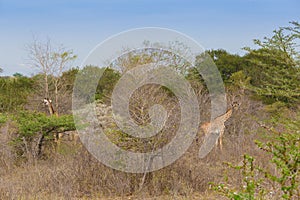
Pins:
<point x="210" y="76"/>
<point x="275" y="108"/>
<point x="32" y="123"/>
<point x="3" y="118"/>
<point x="250" y="188"/>
<point x="95" y="83"/>
<point x="35" y="131"/>
<point x="286" y="157"/>
<point x="107" y="83"/>
<point x="240" y="81"/>
<point x="18" y="75"/>
<point x="86" y="83"/>
<point x="274" y="68"/>
<point x="227" y="63"/>
<point x="14" y="92"/>
<point x="284" y="149"/>
<point x="68" y="77"/>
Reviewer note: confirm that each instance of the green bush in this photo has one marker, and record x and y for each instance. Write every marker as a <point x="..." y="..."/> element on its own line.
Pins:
<point x="34" y="129"/>
<point x="31" y="123"/>
<point x="3" y="118"/>
<point x="250" y="188"/>
<point x="14" y="92"/>
<point x="284" y="149"/>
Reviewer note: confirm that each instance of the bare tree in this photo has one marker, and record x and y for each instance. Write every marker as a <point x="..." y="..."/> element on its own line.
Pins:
<point x="40" y="55"/>
<point x="149" y="95"/>
<point x="172" y="55"/>
<point x="51" y="63"/>
<point x="62" y="59"/>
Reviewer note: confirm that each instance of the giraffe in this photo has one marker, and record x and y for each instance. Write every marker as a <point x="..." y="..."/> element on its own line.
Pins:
<point x="219" y="124"/>
<point x="70" y="135"/>
<point x="48" y="102"/>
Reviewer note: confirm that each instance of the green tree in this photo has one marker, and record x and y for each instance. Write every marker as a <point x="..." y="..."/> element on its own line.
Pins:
<point x="284" y="149"/>
<point x="18" y="75"/>
<point x="295" y="31"/>
<point x="107" y="83"/>
<point x="86" y="83"/>
<point x="227" y="63"/>
<point x="68" y="78"/>
<point x="104" y="80"/>
<point x="14" y="92"/>
<point x="274" y="68"/>
<point x="34" y="129"/>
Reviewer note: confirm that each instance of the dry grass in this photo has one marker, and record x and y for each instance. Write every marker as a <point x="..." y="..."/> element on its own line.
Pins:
<point x="71" y="172"/>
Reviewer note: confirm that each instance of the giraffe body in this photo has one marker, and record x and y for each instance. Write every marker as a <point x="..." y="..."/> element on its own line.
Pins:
<point x="218" y="125"/>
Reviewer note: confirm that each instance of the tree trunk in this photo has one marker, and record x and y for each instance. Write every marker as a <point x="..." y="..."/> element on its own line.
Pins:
<point x="46" y="86"/>
<point x="56" y="96"/>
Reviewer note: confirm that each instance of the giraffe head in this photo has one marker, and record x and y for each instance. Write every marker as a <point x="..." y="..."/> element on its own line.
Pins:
<point x="47" y="101"/>
<point x="235" y="105"/>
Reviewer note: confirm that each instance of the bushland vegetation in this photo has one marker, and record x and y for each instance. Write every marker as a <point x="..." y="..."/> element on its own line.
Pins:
<point x="261" y="146"/>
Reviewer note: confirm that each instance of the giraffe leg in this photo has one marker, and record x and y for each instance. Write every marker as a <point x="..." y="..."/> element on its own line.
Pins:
<point x="221" y="144"/>
<point x="58" y="141"/>
<point x="76" y="138"/>
<point x="221" y="138"/>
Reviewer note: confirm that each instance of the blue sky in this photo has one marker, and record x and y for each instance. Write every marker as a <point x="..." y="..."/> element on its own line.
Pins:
<point x="81" y="25"/>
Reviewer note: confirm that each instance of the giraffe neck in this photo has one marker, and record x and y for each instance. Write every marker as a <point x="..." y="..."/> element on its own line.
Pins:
<point x="219" y="121"/>
<point x="50" y="106"/>
<point x="225" y="116"/>
<point x="228" y="114"/>
<point x="51" y="109"/>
